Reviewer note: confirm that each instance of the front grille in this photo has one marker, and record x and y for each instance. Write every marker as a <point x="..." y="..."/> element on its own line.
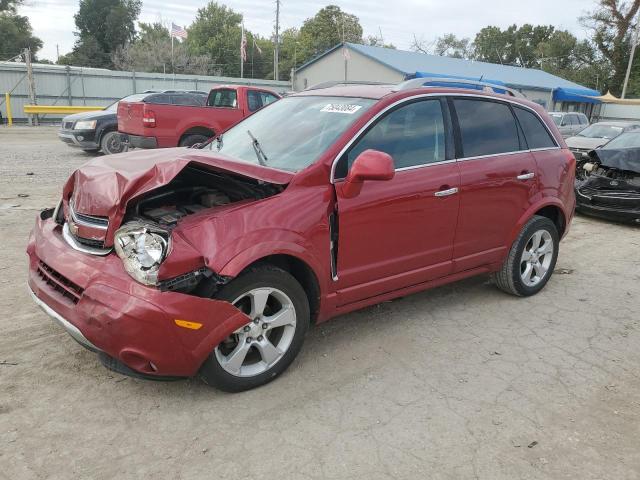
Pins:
<point x="62" y="285"/>
<point x="89" y="242"/>
<point x="88" y="220"/>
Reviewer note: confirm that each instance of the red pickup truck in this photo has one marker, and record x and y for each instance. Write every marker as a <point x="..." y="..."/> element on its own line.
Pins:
<point x="154" y="125"/>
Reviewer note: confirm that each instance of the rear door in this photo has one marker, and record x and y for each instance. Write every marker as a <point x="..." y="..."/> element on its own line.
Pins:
<point x="497" y="176"/>
<point x="399" y="232"/>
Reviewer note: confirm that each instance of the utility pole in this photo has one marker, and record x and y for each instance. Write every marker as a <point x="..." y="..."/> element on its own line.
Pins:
<point x="57" y="53"/>
<point x="633" y="51"/>
<point x="30" y="83"/>
<point x="276" y="51"/>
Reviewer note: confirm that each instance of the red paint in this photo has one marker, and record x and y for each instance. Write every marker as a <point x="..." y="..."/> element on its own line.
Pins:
<point x="395" y="235"/>
<point x="168" y="123"/>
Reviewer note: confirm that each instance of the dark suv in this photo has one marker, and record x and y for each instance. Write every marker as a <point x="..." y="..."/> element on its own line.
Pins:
<point x="215" y="261"/>
<point x="95" y="131"/>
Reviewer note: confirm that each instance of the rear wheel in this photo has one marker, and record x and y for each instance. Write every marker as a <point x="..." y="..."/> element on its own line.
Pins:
<point x="191" y="140"/>
<point x="531" y="260"/>
<point x="262" y="349"/>
<point x="111" y="143"/>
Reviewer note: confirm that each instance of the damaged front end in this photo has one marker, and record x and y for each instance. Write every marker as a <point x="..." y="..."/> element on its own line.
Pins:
<point x="112" y="265"/>
<point x="608" y="184"/>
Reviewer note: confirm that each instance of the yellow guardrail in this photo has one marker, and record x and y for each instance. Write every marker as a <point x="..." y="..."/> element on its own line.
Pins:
<point x="44" y="109"/>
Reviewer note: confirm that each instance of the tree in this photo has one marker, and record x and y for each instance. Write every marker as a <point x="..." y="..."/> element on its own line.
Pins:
<point x="611" y="24"/>
<point x="326" y="29"/>
<point x="15" y="32"/>
<point x="216" y="34"/>
<point x="151" y="52"/>
<point x="513" y="46"/>
<point x="375" y="41"/>
<point x="103" y="27"/>
<point x="451" y="46"/>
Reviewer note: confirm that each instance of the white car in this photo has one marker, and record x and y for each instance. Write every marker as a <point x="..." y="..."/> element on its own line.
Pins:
<point x="569" y="123"/>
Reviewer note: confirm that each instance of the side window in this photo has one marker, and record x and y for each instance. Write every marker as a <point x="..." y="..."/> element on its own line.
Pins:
<point x="486" y="127"/>
<point x="223" y="98"/>
<point x="267" y="98"/>
<point x="412" y="134"/>
<point x="583" y="119"/>
<point x="574" y="120"/>
<point x="254" y="100"/>
<point x="536" y="134"/>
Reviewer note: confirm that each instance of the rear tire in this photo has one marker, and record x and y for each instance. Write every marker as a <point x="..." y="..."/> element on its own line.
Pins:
<point x="191" y="140"/>
<point x="258" y="352"/>
<point x="111" y="143"/>
<point x="531" y="260"/>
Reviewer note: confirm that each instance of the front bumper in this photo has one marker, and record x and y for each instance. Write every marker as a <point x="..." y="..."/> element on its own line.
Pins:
<point x="84" y="139"/>
<point x="139" y="141"/>
<point x="606" y="207"/>
<point x="105" y="310"/>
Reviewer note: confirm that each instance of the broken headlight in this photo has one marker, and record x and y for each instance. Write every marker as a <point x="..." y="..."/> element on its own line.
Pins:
<point x="142" y="249"/>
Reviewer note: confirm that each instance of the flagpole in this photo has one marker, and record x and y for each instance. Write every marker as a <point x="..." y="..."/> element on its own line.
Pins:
<point x="241" y="59"/>
<point x="173" y="68"/>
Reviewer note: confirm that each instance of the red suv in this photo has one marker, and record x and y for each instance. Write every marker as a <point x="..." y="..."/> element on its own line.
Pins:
<point x="215" y="261"/>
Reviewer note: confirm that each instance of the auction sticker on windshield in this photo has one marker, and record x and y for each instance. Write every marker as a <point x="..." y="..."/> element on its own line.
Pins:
<point x="341" y="108"/>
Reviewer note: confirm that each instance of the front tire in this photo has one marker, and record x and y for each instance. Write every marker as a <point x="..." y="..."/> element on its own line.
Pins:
<point x="111" y="143"/>
<point x="258" y="352"/>
<point x="531" y="260"/>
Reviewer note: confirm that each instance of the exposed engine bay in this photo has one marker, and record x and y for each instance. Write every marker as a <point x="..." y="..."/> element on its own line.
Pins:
<point x="196" y="189"/>
<point x="608" y="184"/>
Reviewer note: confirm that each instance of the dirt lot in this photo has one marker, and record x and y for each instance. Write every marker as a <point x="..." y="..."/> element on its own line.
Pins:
<point x="455" y="383"/>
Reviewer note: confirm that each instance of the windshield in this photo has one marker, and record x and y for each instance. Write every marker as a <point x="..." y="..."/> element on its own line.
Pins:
<point x="137" y="97"/>
<point x="292" y="133"/>
<point x="557" y="118"/>
<point x="601" y="131"/>
<point x="626" y="140"/>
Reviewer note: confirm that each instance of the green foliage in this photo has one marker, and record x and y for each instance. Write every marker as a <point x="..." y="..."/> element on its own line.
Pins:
<point x="16" y="34"/>
<point x="513" y="46"/>
<point x="451" y="46"/>
<point x="326" y="29"/>
<point x="611" y="25"/>
<point x="103" y="27"/>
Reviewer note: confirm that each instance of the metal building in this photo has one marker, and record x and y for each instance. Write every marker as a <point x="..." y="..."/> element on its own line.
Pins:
<point x="353" y="62"/>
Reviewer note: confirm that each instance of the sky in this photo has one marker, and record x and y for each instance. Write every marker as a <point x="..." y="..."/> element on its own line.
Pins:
<point x="398" y="21"/>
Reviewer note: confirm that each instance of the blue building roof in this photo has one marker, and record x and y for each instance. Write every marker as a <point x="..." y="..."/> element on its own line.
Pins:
<point x="412" y="63"/>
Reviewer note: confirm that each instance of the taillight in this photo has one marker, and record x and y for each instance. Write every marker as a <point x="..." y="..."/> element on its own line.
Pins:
<point x="149" y="118"/>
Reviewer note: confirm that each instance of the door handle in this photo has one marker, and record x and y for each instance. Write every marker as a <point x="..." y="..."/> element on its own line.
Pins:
<point x="446" y="193"/>
<point x="526" y="176"/>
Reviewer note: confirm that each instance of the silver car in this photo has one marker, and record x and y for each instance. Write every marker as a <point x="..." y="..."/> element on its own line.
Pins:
<point x="569" y="123"/>
<point x="597" y="135"/>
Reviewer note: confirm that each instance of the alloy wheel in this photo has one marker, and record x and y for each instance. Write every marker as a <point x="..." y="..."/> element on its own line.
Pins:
<point x="260" y="344"/>
<point x="536" y="258"/>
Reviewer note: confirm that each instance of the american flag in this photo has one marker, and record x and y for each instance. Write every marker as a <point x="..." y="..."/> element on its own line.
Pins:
<point x="177" y="31"/>
<point x="243" y="46"/>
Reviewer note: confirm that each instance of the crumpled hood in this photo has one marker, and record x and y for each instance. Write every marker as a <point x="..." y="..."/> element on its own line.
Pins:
<point x="585" y="143"/>
<point x="620" y="158"/>
<point x="104" y="186"/>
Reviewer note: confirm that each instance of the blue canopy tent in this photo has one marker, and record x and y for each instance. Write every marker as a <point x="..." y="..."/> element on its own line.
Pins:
<point x="435" y="83"/>
<point x="579" y="95"/>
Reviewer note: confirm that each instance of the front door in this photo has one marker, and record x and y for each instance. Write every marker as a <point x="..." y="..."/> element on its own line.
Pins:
<point x="497" y="176"/>
<point x="399" y="232"/>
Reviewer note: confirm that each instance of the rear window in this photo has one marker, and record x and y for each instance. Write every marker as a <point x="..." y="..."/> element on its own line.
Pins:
<point x="158" y="99"/>
<point x="486" y="127"/>
<point x="223" y="98"/>
<point x="535" y="133"/>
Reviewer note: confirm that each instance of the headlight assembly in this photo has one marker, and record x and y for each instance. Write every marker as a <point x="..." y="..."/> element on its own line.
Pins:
<point x="142" y="249"/>
<point x="85" y="125"/>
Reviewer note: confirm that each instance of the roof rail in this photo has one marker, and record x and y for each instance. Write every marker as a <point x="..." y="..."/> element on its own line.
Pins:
<point x="335" y="83"/>
<point x="420" y="82"/>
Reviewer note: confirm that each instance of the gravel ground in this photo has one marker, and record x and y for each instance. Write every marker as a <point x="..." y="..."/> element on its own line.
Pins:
<point x="454" y="383"/>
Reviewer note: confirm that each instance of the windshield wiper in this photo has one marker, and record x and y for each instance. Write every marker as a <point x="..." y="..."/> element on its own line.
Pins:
<point x="262" y="158"/>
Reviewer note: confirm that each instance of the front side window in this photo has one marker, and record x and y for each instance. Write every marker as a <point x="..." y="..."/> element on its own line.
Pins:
<point x="291" y="133"/>
<point x="223" y="98"/>
<point x="486" y="127"/>
<point x="535" y="133"/>
<point x="256" y="99"/>
<point x="412" y="134"/>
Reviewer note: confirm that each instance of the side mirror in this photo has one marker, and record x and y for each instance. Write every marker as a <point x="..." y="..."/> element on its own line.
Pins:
<point x="369" y="165"/>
